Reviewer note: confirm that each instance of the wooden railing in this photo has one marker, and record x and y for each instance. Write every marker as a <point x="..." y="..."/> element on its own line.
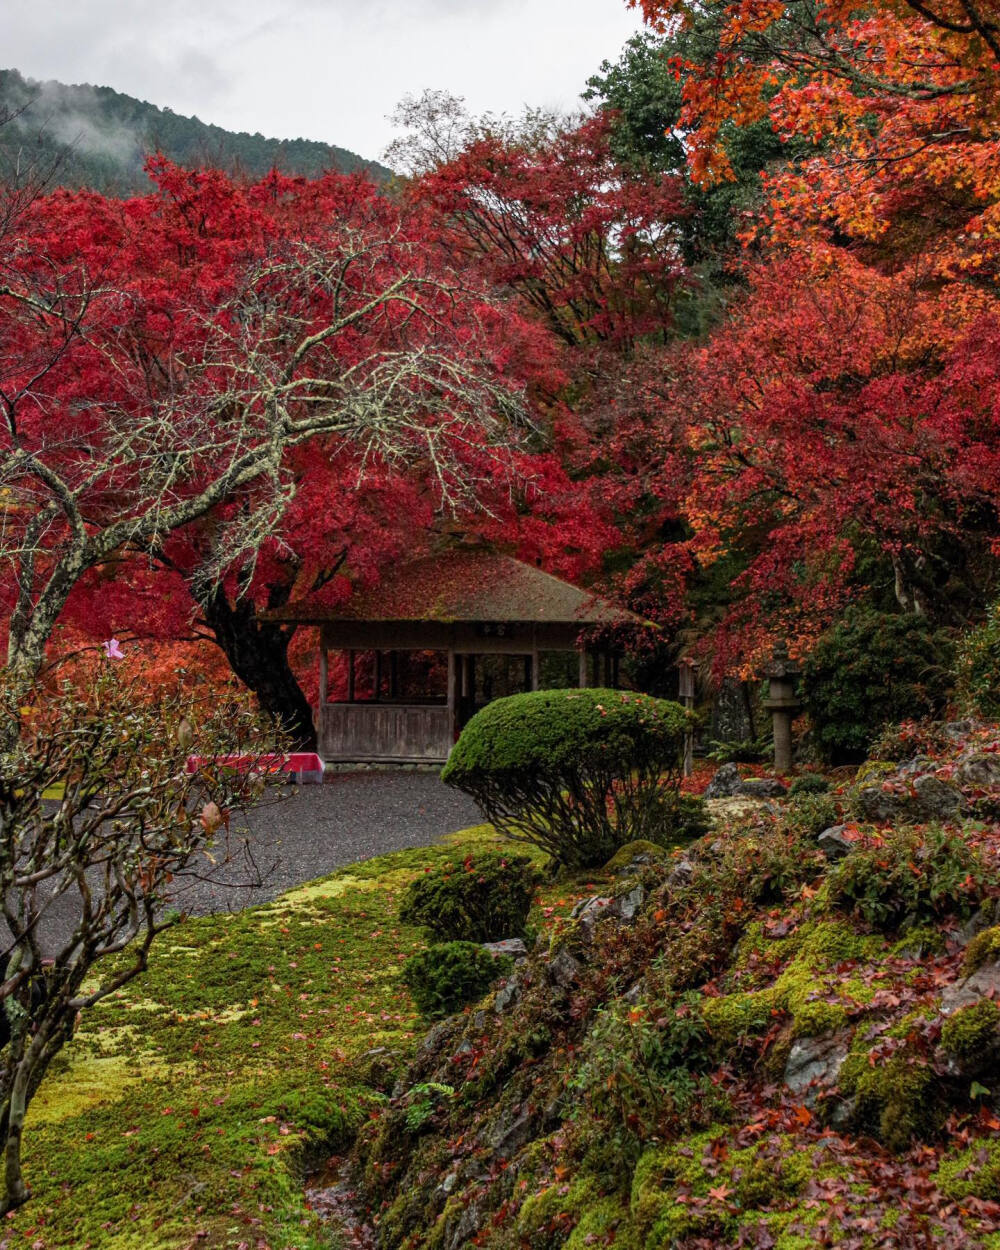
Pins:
<point x="386" y="732"/>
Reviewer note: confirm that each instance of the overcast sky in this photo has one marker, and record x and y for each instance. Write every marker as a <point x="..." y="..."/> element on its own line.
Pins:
<point x="318" y="69"/>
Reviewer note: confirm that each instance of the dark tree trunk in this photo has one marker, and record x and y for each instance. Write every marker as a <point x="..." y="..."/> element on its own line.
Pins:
<point x="257" y="652"/>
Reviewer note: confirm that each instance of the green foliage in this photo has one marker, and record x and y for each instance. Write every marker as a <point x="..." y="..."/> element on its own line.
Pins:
<point x="905" y="741"/>
<point x="577" y="772"/>
<point x="978" y="667"/>
<point x="482" y="898"/>
<point x="422" y="1101"/>
<point x="810" y="814"/>
<point x="638" y="1074"/>
<point x="748" y="751"/>
<point x="909" y="874"/>
<point x="872" y="668"/>
<point x="809" y="783"/>
<point x="443" y="978"/>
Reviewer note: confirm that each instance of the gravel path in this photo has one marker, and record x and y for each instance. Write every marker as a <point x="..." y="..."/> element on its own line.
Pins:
<point x="312" y="830"/>
<point x="307" y="832"/>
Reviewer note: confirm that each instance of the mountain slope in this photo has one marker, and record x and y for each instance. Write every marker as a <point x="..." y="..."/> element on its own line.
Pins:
<point x="99" y="138"/>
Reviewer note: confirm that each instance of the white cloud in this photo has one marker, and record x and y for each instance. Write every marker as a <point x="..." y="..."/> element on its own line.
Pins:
<point x="322" y="69"/>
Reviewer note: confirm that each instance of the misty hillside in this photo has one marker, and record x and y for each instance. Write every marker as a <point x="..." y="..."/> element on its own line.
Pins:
<point x="97" y="137"/>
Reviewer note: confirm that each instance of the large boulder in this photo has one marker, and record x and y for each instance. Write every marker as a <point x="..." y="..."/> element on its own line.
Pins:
<point x="725" y="783"/>
<point x="907" y="797"/>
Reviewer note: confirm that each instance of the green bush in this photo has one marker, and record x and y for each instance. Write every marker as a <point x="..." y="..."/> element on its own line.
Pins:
<point x="577" y="772"/>
<point x="482" y="898"/>
<point x="978" y="668"/>
<point x="906" y="741"/>
<point x="809" y="783"/>
<point x="909" y="874"/>
<point x="443" y="978"/>
<point x="872" y="668"/>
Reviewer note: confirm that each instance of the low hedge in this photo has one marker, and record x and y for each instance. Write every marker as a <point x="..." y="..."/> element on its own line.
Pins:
<point x="576" y="772"/>
<point x="483" y="898"/>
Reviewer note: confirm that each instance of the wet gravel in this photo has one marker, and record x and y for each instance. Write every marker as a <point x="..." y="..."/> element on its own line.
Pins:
<point x="309" y="831"/>
<point x="300" y="833"/>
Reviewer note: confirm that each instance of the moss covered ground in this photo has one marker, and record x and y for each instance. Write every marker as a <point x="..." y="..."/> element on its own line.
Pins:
<point x="186" y="1110"/>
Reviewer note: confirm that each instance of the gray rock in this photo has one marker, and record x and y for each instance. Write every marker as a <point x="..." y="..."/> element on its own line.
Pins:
<point x="936" y="799"/>
<point x="591" y="909"/>
<point x="509" y="1138"/>
<point x="466" y="1228"/>
<point x="983" y="983"/>
<point x="814" y="1065"/>
<point x="682" y="873"/>
<point x="448" y="1184"/>
<point x="833" y="844"/>
<point x="507" y="995"/>
<point x="959" y="729"/>
<point x="633" y="996"/>
<point x="762" y="788"/>
<point x="725" y="783"/>
<point x="626" y="907"/>
<point x="513" y="947"/>
<point x="907" y="801"/>
<point x="979" y="770"/>
<point x="563" y="969"/>
<point x="913" y="768"/>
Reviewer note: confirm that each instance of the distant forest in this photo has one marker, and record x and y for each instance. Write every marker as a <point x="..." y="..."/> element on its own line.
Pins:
<point x="99" y="138"/>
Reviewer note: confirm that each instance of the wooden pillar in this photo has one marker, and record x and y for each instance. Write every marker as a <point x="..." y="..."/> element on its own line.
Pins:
<point x="536" y="677"/>
<point x="582" y="677"/>
<point x="324" y="685"/>
<point x="452" y="701"/>
<point x="350" y="675"/>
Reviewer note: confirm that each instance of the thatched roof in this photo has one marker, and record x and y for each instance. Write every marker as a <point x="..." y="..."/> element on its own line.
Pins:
<point x="468" y="586"/>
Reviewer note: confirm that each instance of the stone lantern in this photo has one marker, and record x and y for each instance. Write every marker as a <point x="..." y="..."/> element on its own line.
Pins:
<point x="781" y="702"/>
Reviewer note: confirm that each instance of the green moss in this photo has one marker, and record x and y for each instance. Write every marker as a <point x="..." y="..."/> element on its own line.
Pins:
<point x="761" y="1183"/>
<point x="897" y="1100"/>
<point x="817" y="998"/>
<point x="983" y="949"/>
<point x="971" y="1173"/>
<point x="632" y="850"/>
<point x="870" y="770"/>
<point x="972" y="1032"/>
<point x="919" y="942"/>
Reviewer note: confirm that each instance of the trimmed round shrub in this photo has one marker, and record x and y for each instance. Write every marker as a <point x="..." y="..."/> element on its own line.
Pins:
<point x="483" y="898"/>
<point x="978" y="668"/>
<point x="870" y="669"/>
<point x="576" y="772"/>
<point x="443" y="978"/>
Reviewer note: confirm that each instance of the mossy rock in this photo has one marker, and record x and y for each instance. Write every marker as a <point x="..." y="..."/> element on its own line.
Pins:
<point x="971" y="1036"/>
<point x="983" y="949"/>
<point x="631" y="851"/>
<point x="899" y="1101"/>
<point x="870" y="770"/>
<point x="820" y="948"/>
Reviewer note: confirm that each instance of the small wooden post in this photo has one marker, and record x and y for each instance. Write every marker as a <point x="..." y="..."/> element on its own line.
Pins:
<point x="686" y="691"/>
<point x="536" y="676"/>
<point x="583" y="669"/>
